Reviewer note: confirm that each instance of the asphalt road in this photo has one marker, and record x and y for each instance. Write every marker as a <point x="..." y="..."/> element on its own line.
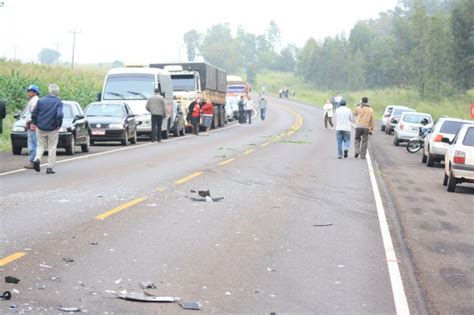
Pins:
<point x="297" y="232"/>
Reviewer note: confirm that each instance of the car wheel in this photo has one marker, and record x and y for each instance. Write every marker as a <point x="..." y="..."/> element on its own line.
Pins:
<point x="182" y="132"/>
<point x="134" y="138"/>
<point x="430" y="160"/>
<point x="451" y="182"/>
<point x="86" y="146"/>
<point x="396" y="142"/>
<point x="445" y="179"/>
<point x="423" y="157"/>
<point x="125" y="138"/>
<point x="382" y="128"/>
<point x="176" y="132"/>
<point x="16" y="150"/>
<point x="71" y="148"/>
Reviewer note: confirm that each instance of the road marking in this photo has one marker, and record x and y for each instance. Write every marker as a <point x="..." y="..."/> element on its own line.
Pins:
<point x="400" y="299"/>
<point x="249" y="151"/>
<point x="161" y="189"/>
<point x="188" y="178"/>
<point x="120" y="208"/>
<point x="265" y="144"/>
<point x="11" y="258"/>
<point x="227" y="161"/>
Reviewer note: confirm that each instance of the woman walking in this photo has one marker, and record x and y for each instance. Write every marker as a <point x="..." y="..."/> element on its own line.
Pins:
<point x="328" y="112"/>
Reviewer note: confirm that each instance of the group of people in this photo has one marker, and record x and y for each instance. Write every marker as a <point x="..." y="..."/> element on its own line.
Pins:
<point x="364" y="125"/>
<point x="246" y="109"/>
<point x="285" y="93"/>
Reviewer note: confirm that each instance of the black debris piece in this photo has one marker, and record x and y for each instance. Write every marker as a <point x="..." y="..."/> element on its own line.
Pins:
<point x="9" y="279"/>
<point x="191" y="305"/>
<point x="69" y="309"/>
<point x="94" y="243"/>
<point x="68" y="260"/>
<point x="206" y="199"/>
<point x="147" y="285"/>
<point x="204" y="193"/>
<point x="320" y="225"/>
<point x="142" y="297"/>
<point x="192" y="191"/>
<point x="6" y="296"/>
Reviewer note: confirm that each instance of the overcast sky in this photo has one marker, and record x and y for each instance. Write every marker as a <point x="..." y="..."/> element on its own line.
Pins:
<point x="151" y="31"/>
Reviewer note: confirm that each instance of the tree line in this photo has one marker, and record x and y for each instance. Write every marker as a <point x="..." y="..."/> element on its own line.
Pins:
<point x="427" y="45"/>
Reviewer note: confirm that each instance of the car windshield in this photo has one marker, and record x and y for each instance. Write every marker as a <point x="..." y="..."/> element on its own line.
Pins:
<point x="183" y="83"/>
<point x="469" y="138"/>
<point x="399" y="111"/>
<point x="129" y="86"/>
<point x="451" y="127"/>
<point x="67" y="111"/>
<point x="236" y="89"/>
<point x="415" y="118"/>
<point x="112" y="110"/>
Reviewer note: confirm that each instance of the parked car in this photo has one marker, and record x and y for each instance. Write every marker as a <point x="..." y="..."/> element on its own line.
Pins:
<point x="459" y="158"/>
<point x="433" y="149"/>
<point x="394" y="118"/>
<point x="179" y="124"/>
<point x="409" y="126"/>
<point x="112" y="121"/>
<point x="231" y="108"/>
<point x="75" y="130"/>
<point x="386" y="114"/>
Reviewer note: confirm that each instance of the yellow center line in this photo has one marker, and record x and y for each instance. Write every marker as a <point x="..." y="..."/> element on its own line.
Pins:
<point x="249" y="151"/>
<point x="120" y="208"/>
<point x="227" y="161"/>
<point x="11" y="258"/>
<point x="265" y="144"/>
<point x="187" y="178"/>
<point x="161" y="189"/>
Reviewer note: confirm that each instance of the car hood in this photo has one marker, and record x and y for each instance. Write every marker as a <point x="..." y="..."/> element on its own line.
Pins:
<point x="104" y="120"/>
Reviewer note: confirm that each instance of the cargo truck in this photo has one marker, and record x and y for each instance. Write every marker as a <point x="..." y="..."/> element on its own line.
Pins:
<point x="198" y="79"/>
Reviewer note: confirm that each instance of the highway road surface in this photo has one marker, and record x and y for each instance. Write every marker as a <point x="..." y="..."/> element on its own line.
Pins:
<point x="298" y="231"/>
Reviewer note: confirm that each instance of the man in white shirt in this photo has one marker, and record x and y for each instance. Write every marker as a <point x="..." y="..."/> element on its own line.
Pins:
<point x="33" y="93"/>
<point x="328" y="111"/>
<point x="343" y="129"/>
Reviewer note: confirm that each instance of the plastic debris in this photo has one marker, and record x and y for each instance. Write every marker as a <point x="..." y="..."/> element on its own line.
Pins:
<point x="191" y="305"/>
<point x="118" y="281"/>
<point x="320" y="225"/>
<point x="142" y="297"/>
<point x="69" y="309"/>
<point x="9" y="279"/>
<point x="204" y="193"/>
<point x="68" y="260"/>
<point x="46" y="266"/>
<point x="15" y="291"/>
<point x="147" y="284"/>
<point x="270" y="269"/>
<point x="6" y="296"/>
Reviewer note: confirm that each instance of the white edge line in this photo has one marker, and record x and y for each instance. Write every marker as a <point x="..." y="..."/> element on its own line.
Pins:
<point x="116" y="150"/>
<point x="399" y="296"/>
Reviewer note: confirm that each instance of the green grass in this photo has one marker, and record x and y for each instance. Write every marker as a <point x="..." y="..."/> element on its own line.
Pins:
<point x="452" y="106"/>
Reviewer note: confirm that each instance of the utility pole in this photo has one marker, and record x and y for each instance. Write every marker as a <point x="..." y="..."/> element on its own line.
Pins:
<point x="74" y="32"/>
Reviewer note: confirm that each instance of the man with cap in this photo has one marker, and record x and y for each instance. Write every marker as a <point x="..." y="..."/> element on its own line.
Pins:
<point x="343" y="129"/>
<point x="33" y="92"/>
<point x="364" y="127"/>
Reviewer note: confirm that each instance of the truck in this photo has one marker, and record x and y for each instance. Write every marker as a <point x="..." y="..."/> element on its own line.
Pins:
<point x="198" y="79"/>
<point x="236" y="86"/>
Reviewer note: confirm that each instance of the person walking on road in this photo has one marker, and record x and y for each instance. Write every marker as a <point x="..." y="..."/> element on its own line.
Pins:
<point x="328" y="111"/>
<point x="195" y="117"/>
<point x="207" y="114"/>
<point x="48" y="118"/>
<point x="156" y="106"/>
<point x="364" y="126"/>
<point x="33" y="95"/>
<point x="241" y="105"/>
<point x="262" y="104"/>
<point x="248" y="109"/>
<point x="3" y="113"/>
<point x="343" y="129"/>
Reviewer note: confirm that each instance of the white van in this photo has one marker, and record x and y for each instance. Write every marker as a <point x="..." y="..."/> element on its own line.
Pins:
<point x="134" y="86"/>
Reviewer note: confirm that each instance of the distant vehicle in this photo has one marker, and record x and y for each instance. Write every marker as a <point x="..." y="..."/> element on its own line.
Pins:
<point x="74" y="131"/>
<point x="198" y="79"/>
<point x="232" y="107"/>
<point x="433" y="149"/>
<point x="134" y="86"/>
<point x="394" y="118"/>
<point x="112" y="121"/>
<point x="386" y="114"/>
<point x="179" y="121"/>
<point x="409" y="126"/>
<point x="236" y="86"/>
<point x="459" y="158"/>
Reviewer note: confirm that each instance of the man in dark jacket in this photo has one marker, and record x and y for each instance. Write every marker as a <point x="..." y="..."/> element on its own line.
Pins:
<point x="157" y="108"/>
<point x="48" y="118"/>
<point x="3" y="113"/>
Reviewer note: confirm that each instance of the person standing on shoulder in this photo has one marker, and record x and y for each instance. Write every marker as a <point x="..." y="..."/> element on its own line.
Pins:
<point x="156" y="106"/>
<point x="48" y="118"/>
<point x="241" y="105"/>
<point x="3" y="113"/>
<point x="364" y="126"/>
<point x="262" y="104"/>
<point x="195" y="117"/>
<point x="328" y="111"/>
<point x="33" y="95"/>
<point x="343" y="129"/>
<point x="207" y="114"/>
<point x="248" y="109"/>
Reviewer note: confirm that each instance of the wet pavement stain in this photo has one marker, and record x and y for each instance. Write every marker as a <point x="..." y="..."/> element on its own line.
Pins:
<point x="455" y="278"/>
<point x="440" y="226"/>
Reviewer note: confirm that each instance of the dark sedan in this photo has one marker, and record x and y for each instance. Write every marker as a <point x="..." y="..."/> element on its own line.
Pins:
<point x="73" y="132"/>
<point x="112" y="121"/>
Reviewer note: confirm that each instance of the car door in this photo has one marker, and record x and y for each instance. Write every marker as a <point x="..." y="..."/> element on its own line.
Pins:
<point x="132" y="126"/>
<point x="79" y="123"/>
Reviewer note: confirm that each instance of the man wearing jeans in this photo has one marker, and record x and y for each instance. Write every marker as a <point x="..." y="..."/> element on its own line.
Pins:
<point x="48" y="118"/>
<point x="343" y="129"/>
<point x="156" y="106"/>
<point x="364" y="127"/>
<point x="33" y="93"/>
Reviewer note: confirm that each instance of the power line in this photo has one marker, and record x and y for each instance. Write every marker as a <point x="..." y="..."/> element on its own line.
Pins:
<point x="74" y="32"/>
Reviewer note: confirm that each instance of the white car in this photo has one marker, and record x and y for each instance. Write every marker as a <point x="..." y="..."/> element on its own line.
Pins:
<point x="386" y="114"/>
<point x="409" y="126"/>
<point x="433" y="149"/>
<point x="231" y="107"/>
<point x="459" y="158"/>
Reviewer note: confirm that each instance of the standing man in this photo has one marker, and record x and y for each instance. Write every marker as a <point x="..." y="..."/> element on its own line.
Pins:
<point x="248" y="109"/>
<point x="262" y="104"/>
<point x="343" y="128"/>
<point x="48" y="118"/>
<point x="196" y="116"/>
<point x="207" y="114"/>
<point x="33" y="92"/>
<point x="328" y="111"/>
<point x="364" y="127"/>
<point x="241" y="104"/>
<point x="3" y="113"/>
<point x="156" y="106"/>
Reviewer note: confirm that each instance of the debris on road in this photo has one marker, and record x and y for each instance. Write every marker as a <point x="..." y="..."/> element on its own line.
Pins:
<point x="142" y="297"/>
<point x="118" y="281"/>
<point x="270" y="269"/>
<point x="204" y="196"/>
<point x="46" y="266"/>
<point x="191" y="305"/>
<point x="68" y="260"/>
<point x="320" y="225"/>
<point x="94" y="243"/>
<point x="69" y="309"/>
<point x="204" y="193"/>
<point x="6" y="296"/>
<point x="9" y="279"/>
<point x="147" y="284"/>
<point x="228" y="293"/>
